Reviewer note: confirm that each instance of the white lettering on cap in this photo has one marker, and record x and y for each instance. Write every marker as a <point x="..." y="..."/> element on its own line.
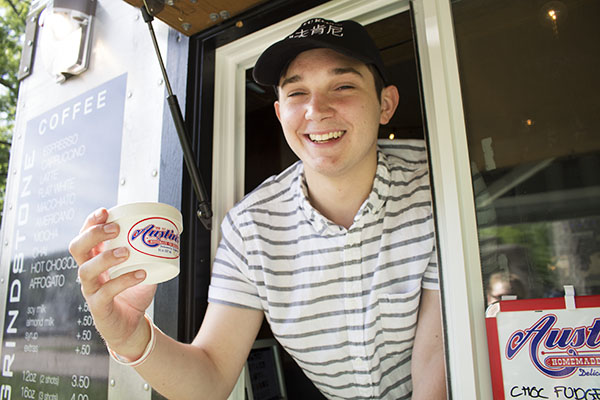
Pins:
<point x="321" y="27"/>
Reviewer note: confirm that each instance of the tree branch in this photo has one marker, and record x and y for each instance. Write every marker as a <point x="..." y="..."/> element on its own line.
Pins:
<point x="15" y="10"/>
<point x="9" y="85"/>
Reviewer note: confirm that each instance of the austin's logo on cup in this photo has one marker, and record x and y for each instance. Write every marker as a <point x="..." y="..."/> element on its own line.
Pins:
<point x="157" y="237"/>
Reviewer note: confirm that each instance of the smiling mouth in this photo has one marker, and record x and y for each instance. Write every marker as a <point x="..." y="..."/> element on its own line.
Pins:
<point x="326" y="137"/>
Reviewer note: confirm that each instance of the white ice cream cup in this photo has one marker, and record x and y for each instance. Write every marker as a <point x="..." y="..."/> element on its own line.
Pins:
<point x="151" y="233"/>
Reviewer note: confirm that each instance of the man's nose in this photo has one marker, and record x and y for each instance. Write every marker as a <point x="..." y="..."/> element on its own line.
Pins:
<point x="318" y="108"/>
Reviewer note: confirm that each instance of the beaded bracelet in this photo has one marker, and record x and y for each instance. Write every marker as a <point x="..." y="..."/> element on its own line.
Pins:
<point x="124" y="361"/>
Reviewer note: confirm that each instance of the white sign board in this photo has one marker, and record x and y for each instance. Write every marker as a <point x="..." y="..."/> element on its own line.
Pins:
<point x="541" y="350"/>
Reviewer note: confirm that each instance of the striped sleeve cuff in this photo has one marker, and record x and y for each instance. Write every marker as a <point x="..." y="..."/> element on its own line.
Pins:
<point x="233" y="298"/>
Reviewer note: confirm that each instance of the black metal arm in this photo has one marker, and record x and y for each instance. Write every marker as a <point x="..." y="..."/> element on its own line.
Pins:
<point x="204" y="211"/>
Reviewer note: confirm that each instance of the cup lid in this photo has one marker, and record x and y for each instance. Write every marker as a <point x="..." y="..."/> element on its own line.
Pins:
<point x="148" y="209"/>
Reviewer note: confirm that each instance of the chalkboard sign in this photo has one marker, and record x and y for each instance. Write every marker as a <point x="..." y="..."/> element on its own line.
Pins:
<point x="69" y="167"/>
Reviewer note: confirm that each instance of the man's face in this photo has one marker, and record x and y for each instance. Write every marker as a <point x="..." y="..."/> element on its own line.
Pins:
<point x="497" y="290"/>
<point x="330" y="112"/>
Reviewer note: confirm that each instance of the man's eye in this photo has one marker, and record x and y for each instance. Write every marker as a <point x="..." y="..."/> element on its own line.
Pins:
<point x="344" y="87"/>
<point x="297" y="93"/>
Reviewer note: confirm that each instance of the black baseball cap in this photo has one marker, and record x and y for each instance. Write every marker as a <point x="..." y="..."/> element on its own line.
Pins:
<point x="346" y="37"/>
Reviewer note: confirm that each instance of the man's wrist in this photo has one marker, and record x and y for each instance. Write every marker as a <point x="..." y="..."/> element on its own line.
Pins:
<point x="134" y="361"/>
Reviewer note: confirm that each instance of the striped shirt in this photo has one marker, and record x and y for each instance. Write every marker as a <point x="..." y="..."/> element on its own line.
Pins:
<point x="342" y="302"/>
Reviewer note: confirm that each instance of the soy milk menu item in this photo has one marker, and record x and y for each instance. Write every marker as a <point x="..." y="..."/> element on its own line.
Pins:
<point x="151" y="232"/>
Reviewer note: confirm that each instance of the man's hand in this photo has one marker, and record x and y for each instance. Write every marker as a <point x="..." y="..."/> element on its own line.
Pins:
<point x="117" y="305"/>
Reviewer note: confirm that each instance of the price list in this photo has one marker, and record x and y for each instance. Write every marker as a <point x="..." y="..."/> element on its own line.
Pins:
<point x="69" y="167"/>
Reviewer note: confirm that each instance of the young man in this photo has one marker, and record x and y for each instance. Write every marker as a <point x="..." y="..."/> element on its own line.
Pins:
<point x="337" y="252"/>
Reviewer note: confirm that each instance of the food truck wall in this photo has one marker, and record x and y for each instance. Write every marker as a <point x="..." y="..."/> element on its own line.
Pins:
<point x="98" y="139"/>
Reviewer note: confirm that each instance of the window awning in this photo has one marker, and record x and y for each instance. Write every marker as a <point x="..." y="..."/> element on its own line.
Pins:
<point x="192" y="16"/>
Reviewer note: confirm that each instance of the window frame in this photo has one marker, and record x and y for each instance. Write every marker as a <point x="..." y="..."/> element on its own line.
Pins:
<point x="460" y="267"/>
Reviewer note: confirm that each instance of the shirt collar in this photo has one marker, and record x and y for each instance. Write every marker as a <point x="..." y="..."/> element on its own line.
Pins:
<point x="314" y="217"/>
<point x="373" y="203"/>
<point x="381" y="185"/>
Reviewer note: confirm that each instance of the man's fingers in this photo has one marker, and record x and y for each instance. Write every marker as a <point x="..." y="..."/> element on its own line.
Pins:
<point x="85" y="245"/>
<point x="90" y="271"/>
<point x="81" y="246"/>
<point x="108" y="312"/>
<point x="97" y="217"/>
<point x="102" y="303"/>
<point x="114" y="287"/>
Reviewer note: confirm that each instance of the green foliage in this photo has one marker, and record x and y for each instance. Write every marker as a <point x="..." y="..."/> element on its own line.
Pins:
<point x="536" y="239"/>
<point x="12" y="28"/>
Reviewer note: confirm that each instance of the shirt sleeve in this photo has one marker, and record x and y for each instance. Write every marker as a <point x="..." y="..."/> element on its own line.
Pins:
<point x="231" y="282"/>
<point x="431" y="275"/>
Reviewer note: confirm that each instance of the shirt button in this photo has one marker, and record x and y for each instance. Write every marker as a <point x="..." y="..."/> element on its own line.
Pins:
<point x="362" y="379"/>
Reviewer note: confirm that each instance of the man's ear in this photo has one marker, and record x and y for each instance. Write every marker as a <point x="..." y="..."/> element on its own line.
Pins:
<point x="277" y="112"/>
<point x="389" y="102"/>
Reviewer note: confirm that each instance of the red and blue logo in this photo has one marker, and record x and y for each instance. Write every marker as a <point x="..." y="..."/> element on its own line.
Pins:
<point x="557" y="352"/>
<point x="157" y="237"/>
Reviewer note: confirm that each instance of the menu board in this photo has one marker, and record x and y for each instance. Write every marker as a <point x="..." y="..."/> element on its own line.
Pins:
<point x="69" y="167"/>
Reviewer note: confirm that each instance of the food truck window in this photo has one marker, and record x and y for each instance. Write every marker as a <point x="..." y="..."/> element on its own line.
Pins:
<point x="267" y="153"/>
<point x="529" y="83"/>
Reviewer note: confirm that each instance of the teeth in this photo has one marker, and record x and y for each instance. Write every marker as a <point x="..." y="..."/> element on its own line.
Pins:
<point x="325" y="137"/>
